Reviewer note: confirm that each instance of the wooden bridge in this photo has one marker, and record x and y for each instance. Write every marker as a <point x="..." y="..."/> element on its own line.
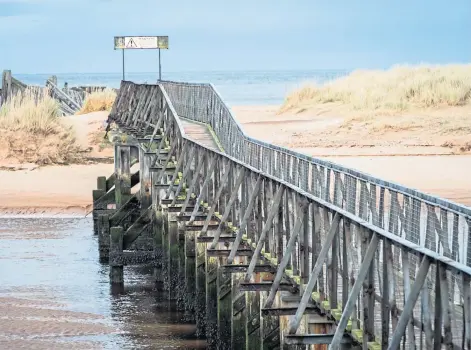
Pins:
<point x="268" y="248"/>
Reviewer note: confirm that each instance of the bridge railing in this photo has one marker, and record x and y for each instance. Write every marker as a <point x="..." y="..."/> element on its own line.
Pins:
<point x="373" y="278"/>
<point x="428" y="221"/>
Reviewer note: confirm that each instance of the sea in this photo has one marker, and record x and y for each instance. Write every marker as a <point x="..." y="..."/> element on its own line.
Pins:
<point x="236" y="87"/>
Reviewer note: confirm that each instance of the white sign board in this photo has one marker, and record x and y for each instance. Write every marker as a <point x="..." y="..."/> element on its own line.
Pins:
<point x="141" y="42"/>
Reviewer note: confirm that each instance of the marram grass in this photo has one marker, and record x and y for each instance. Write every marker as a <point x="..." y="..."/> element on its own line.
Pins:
<point x="98" y="101"/>
<point x="397" y="89"/>
<point x="32" y="131"/>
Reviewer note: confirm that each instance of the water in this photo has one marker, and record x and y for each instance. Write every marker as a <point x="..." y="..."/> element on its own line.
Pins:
<point x="55" y="294"/>
<point x="237" y="87"/>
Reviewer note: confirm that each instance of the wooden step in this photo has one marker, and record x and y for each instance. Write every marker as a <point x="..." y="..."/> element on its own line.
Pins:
<point x="168" y="201"/>
<point x="147" y="139"/>
<point x="178" y="208"/>
<point x="313" y="339"/>
<point x="226" y="252"/>
<point x="200" y="216"/>
<point x="169" y="170"/>
<point x="209" y="239"/>
<point x="199" y="227"/>
<point x="288" y="310"/>
<point x="266" y="286"/>
<point x="235" y="268"/>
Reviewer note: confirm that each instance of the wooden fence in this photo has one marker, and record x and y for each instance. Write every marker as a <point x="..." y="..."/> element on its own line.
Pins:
<point x="70" y="99"/>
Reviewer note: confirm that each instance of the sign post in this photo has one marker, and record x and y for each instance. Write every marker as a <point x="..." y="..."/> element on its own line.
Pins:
<point x="141" y="43"/>
<point x="123" y="64"/>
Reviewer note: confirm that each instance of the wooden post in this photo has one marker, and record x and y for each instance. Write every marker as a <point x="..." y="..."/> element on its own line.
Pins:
<point x="6" y="86"/>
<point x="116" y="255"/>
<point x="164" y="238"/>
<point x="172" y="255"/>
<point x="252" y="326"/>
<point x="224" y="300"/>
<point x="123" y="174"/>
<point x="101" y="183"/>
<point x="97" y="194"/>
<point x="180" y="282"/>
<point x="53" y="79"/>
<point x="190" y="274"/>
<point x="239" y="313"/>
<point x="200" y="303"/>
<point x="211" y="299"/>
<point x="269" y="324"/>
<point x="104" y="237"/>
<point x="146" y="160"/>
<point x="158" y="249"/>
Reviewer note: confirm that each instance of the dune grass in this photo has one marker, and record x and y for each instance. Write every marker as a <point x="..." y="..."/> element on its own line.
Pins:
<point x="400" y="88"/>
<point x="32" y="131"/>
<point x="98" y="101"/>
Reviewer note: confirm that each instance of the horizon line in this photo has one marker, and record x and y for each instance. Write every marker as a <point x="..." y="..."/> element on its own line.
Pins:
<point x="253" y="70"/>
<point x="196" y="71"/>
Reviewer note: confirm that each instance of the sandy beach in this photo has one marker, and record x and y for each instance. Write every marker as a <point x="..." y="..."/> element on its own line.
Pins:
<point x="407" y="157"/>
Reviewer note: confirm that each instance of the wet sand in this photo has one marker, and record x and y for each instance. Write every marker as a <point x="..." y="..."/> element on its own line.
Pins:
<point x="50" y="190"/>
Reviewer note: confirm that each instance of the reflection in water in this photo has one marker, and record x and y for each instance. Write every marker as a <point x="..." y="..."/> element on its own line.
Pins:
<point x="55" y="294"/>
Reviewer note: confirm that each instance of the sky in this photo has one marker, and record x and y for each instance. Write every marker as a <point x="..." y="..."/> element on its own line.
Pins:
<point x="76" y="36"/>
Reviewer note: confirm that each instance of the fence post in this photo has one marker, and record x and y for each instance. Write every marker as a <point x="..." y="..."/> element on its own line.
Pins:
<point x="53" y="79"/>
<point x="6" y="86"/>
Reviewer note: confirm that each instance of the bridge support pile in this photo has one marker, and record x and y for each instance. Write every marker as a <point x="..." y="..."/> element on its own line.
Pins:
<point x="256" y="262"/>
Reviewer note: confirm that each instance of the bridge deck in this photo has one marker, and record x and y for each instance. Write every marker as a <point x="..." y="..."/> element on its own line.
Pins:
<point x="200" y="133"/>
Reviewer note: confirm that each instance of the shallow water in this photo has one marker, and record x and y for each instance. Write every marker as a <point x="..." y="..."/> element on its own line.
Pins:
<point x="54" y="294"/>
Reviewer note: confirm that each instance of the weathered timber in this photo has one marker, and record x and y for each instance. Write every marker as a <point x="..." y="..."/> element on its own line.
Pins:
<point x="123" y="174"/>
<point x="137" y="228"/>
<point x="263" y="248"/>
<point x="6" y="86"/>
<point x="116" y="252"/>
